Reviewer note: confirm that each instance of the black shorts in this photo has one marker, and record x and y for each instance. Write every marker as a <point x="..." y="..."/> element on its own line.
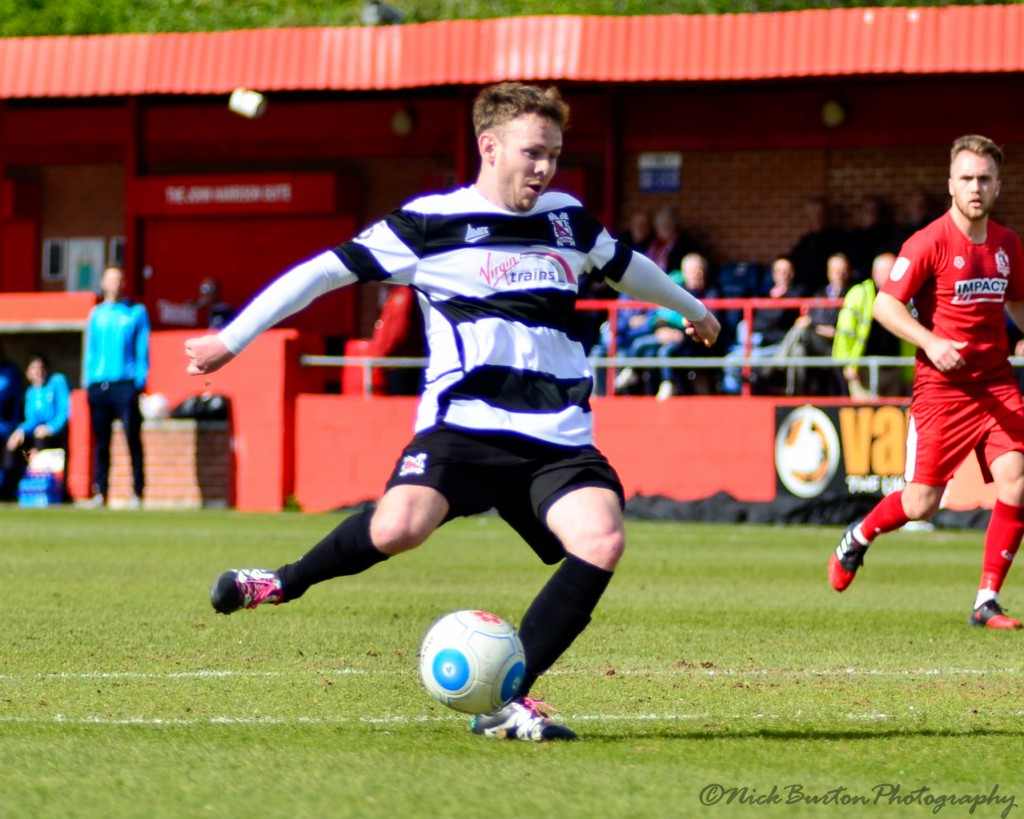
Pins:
<point x="518" y="477"/>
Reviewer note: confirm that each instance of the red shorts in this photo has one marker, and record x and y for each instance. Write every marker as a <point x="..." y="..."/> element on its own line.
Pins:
<point x="947" y="422"/>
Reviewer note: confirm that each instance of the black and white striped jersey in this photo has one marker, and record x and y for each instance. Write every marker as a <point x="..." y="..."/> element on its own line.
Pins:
<point x="498" y="292"/>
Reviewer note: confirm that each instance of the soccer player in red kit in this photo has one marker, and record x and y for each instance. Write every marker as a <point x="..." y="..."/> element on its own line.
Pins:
<point x="961" y="271"/>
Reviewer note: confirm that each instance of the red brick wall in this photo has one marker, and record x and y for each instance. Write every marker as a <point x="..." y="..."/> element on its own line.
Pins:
<point x="187" y="464"/>
<point x="748" y="205"/>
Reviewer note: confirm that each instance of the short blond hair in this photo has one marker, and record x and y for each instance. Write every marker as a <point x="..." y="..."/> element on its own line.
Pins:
<point x="977" y="144"/>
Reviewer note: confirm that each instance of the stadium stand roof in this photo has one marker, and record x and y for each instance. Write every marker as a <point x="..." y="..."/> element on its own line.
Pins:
<point x="818" y="43"/>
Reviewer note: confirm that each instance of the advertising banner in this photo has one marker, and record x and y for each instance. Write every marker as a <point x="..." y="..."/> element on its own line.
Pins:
<point x="836" y="451"/>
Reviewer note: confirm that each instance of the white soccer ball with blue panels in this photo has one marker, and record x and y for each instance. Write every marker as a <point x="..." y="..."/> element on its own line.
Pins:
<point x="472" y="661"/>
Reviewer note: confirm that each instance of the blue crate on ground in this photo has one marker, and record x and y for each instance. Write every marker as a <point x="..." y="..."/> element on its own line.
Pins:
<point x="40" y="490"/>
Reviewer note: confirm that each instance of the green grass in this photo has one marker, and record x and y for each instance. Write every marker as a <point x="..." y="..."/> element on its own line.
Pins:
<point x="719" y="655"/>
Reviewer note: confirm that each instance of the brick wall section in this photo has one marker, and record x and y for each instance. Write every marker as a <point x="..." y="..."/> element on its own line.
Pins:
<point x="188" y="464"/>
<point x="747" y="205"/>
<point x="83" y="200"/>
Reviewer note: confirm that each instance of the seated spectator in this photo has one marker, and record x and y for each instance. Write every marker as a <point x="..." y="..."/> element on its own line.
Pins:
<point x="639" y="232"/>
<point x="922" y="210"/>
<point x="811" y="252"/>
<point x="629" y="324"/>
<point x="770" y="325"/>
<point x="872" y="236"/>
<point x="45" y="424"/>
<point x="858" y="334"/>
<point x="813" y="333"/>
<point x="11" y="403"/>
<point x="670" y="242"/>
<point x="667" y="338"/>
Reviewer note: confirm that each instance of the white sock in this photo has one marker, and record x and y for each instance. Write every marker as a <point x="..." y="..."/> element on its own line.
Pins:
<point x="984" y="595"/>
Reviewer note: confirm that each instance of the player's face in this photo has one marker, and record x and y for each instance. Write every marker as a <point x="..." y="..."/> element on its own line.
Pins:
<point x="973" y="184"/>
<point x="521" y="157"/>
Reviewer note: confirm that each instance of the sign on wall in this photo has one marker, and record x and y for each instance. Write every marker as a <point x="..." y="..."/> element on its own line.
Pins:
<point x="235" y="194"/>
<point x="660" y="172"/>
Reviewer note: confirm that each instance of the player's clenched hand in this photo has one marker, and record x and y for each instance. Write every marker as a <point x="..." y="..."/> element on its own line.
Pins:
<point x="206" y="354"/>
<point x="706" y="330"/>
<point x="944" y="353"/>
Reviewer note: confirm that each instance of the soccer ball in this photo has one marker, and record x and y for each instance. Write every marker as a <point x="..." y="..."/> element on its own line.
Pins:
<point x="472" y="661"/>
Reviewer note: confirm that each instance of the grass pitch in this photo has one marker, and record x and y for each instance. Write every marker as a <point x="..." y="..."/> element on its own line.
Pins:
<point x="721" y="677"/>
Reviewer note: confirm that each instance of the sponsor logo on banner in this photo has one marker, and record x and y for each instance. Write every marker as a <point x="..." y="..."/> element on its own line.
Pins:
<point x="806" y="451"/>
<point x="853" y="451"/>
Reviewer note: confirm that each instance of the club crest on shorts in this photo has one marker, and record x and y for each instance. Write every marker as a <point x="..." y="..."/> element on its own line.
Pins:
<point x="413" y="465"/>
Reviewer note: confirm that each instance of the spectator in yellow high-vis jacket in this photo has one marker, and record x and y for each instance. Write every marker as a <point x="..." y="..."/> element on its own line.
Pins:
<point x="858" y="335"/>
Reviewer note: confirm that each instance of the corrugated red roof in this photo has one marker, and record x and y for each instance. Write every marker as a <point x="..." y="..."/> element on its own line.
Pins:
<point x="837" y="42"/>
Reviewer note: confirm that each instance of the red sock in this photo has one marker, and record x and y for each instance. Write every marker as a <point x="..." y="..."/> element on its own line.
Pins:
<point x="1002" y="539"/>
<point x="887" y="516"/>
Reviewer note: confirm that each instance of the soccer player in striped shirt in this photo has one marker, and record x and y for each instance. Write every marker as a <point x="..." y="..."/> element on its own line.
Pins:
<point x="504" y="420"/>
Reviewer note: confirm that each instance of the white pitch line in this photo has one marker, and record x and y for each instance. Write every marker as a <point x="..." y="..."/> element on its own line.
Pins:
<point x="174" y="722"/>
<point x="630" y="672"/>
<point x="177" y="675"/>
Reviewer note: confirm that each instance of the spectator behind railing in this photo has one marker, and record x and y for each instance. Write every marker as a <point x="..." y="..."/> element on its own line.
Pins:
<point x="858" y="334"/>
<point x="637" y="235"/>
<point x="666" y="338"/>
<point x="872" y="235"/>
<point x="811" y="253"/>
<point x="812" y="335"/>
<point x="769" y="327"/>
<point x="670" y="242"/>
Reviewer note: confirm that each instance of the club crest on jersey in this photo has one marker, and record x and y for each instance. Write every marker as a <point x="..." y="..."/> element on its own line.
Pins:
<point x="562" y="229"/>
<point x="958" y="262"/>
<point x="413" y="465"/>
<point x="1003" y="263"/>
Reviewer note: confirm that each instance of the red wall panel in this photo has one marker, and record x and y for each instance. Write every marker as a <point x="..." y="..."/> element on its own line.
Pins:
<point x="244" y="254"/>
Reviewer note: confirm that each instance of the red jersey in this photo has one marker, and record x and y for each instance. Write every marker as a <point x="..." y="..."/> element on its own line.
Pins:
<point x="959" y="289"/>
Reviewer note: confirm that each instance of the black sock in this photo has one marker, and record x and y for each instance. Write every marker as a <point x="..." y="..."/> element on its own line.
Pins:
<point x="559" y="614"/>
<point x="345" y="551"/>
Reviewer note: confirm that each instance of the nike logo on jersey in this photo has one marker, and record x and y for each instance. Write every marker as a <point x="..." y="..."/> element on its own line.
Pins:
<point x="475" y="234"/>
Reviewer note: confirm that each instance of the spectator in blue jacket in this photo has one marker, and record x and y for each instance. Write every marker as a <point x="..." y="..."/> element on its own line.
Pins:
<point x="11" y="391"/>
<point x="45" y="424"/>
<point x="116" y="367"/>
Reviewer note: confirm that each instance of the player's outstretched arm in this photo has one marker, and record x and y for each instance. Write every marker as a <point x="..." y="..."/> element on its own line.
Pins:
<point x="287" y="294"/>
<point x="645" y="281"/>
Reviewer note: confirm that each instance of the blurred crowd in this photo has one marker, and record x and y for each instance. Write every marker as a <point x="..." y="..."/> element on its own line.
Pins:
<point x="845" y="264"/>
